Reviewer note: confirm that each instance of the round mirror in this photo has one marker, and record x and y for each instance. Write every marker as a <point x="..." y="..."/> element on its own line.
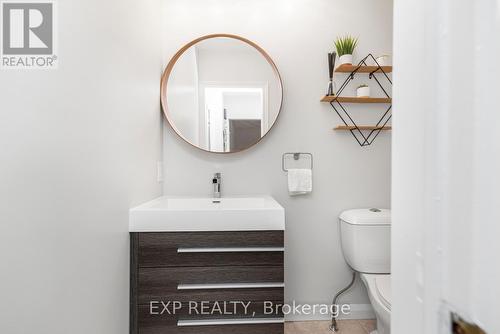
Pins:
<point x="221" y="93"/>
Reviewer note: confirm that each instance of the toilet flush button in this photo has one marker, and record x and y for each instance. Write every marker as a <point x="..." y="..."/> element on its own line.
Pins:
<point x="375" y="210"/>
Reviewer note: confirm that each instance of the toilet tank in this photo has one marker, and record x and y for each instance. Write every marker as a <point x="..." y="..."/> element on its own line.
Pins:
<point x="366" y="239"/>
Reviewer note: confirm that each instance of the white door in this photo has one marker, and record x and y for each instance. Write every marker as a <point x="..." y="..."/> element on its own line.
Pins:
<point x="446" y="165"/>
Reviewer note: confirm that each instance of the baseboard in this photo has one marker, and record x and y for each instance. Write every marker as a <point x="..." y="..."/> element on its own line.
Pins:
<point x="358" y="311"/>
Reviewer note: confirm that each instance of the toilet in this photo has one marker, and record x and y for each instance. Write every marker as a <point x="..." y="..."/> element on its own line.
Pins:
<point x="366" y="244"/>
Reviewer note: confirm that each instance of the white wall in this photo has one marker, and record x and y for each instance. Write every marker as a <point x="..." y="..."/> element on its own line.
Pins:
<point x="79" y="146"/>
<point x="297" y="34"/>
<point x="445" y="166"/>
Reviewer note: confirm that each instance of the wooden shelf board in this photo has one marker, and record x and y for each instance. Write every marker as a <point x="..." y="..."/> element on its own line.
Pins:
<point x="353" y="99"/>
<point x="362" y="69"/>
<point x="362" y="127"/>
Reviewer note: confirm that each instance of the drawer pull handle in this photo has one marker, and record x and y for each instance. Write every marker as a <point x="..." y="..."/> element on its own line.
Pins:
<point x="218" y="322"/>
<point x="229" y="249"/>
<point x="229" y="286"/>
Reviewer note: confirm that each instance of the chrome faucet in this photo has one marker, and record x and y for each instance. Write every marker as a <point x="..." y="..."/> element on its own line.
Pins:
<point x="216" y="182"/>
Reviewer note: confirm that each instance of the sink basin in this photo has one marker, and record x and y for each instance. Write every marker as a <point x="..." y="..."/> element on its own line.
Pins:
<point x="171" y="214"/>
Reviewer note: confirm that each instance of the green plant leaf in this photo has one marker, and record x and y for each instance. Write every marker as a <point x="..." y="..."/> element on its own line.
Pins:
<point x="345" y="45"/>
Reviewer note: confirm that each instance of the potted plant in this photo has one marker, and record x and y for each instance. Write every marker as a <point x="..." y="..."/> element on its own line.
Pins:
<point x="363" y="91"/>
<point x="345" y="47"/>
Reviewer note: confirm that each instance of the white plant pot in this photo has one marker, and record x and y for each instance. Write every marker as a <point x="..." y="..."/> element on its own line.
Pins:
<point x="363" y="92"/>
<point x="383" y="60"/>
<point x="345" y="60"/>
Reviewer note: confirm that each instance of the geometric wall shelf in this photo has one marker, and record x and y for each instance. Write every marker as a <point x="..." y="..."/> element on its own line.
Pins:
<point x="364" y="134"/>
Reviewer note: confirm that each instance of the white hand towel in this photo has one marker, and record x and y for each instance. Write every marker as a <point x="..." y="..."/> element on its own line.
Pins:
<point x="299" y="181"/>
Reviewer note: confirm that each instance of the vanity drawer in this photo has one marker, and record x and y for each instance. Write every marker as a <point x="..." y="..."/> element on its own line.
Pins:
<point x="210" y="248"/>
<point x="184" y="321"/>
<point x="210" y="283"/>
<point x="220" y="256"/>
<point x="254" y="309"/>
<point x="211" y="239"/>
<point x="255" y="294"/>
<point x="270" y="328"/>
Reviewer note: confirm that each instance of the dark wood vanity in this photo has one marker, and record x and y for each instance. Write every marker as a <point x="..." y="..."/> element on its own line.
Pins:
<point x="206" y="268"/>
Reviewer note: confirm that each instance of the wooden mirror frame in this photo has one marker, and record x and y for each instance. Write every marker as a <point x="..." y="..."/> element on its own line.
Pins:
<point x="178" y="54"/>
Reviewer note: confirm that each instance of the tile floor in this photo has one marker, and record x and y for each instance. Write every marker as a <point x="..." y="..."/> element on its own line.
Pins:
<point x="322" y="327"/>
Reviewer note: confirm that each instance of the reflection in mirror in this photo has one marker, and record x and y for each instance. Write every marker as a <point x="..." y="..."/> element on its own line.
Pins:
<point x="221" y="93"/>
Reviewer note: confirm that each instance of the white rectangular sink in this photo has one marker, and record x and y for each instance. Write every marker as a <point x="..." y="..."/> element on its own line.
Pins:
<point x="178" y="214"/>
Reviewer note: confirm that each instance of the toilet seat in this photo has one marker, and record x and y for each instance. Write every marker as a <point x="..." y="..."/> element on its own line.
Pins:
<point x="383" y="287"/>
<point x="379" y="292"/>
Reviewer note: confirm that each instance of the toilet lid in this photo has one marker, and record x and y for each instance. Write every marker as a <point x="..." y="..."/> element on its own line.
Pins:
<point x="383" y="283"/>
